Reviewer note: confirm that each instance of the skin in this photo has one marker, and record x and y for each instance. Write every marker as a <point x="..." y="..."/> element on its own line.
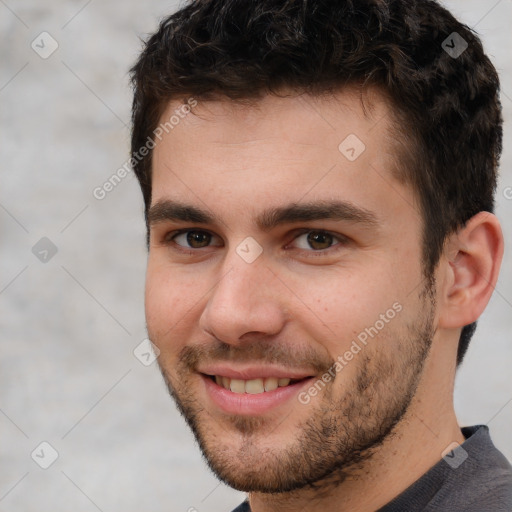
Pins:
<point x="388" y="415"/>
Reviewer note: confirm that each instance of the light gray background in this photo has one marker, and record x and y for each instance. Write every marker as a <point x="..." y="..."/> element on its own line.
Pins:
<point x="69" y="326"/>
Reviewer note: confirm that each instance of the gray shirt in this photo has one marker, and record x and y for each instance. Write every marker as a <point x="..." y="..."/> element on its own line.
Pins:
<point x="475" y="477"/>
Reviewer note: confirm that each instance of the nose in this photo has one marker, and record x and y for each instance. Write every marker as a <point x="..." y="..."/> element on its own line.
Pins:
<point x="247" y="300"/>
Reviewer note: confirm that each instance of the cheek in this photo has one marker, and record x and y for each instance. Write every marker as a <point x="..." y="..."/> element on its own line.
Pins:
<point x="342" y="305"/>
<point x="171" y="302"/>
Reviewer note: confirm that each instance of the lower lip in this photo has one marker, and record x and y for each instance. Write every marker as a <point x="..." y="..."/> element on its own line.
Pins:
<point x="251" y="404"/>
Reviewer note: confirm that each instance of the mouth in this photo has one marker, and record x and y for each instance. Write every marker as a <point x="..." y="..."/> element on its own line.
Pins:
<point x="253" y="396"/>
<point x="253" y="386"/>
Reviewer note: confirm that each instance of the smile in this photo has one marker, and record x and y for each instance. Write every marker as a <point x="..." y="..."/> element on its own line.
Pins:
<point x="252" y="396"/>
<point x="253" y="386"/>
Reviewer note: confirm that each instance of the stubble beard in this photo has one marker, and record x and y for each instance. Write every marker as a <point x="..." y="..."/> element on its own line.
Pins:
<point x="340" y="433"/>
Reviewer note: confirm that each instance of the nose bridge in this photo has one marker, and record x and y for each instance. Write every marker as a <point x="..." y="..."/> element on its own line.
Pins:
<point x="243" y="300"/>
<point x="244" y="273"/>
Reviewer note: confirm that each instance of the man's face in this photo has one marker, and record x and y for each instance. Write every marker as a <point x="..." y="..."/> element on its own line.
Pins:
<point x="254" y="293"/>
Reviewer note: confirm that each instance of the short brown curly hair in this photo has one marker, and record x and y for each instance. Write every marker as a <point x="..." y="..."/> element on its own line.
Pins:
<point x="446" y="106"/>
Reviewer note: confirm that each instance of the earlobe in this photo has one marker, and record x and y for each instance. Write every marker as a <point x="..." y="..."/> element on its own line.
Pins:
<point x="473" y="256"/>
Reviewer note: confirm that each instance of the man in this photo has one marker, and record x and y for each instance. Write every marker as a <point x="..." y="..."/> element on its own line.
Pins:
<point x="318" y="180"/>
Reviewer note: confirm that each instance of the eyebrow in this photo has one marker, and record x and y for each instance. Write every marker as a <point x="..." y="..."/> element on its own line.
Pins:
<point x="171" y="210"/>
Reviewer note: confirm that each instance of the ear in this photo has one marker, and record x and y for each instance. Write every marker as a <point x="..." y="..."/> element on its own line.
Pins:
<point x="471" y="264"/>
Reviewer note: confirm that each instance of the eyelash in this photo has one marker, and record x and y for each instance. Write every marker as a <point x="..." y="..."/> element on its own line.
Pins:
<point x="169" y="240"/>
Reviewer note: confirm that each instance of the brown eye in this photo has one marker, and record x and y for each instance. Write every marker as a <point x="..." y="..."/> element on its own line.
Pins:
<point x="319" y="240"/>
<point x="198" y="239"/>
<point x="192" y="239"/>
<point x="316" y="240"/>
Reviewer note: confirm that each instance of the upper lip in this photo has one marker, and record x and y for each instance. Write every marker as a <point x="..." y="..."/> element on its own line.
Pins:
<point x="253" y="372"/>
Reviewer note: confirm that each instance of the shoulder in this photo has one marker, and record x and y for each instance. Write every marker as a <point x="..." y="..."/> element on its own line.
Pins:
<point x="482" y="482"/>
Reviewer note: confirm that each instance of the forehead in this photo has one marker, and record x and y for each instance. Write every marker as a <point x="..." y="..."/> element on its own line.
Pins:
<point x="239" y="156"/>
<point x="304" y="117"/>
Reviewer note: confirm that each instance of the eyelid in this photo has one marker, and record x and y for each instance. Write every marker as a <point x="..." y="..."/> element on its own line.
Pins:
<point x="169" y="237"/>
<point x="339" y="237"/>
<point x="342" y="240"/>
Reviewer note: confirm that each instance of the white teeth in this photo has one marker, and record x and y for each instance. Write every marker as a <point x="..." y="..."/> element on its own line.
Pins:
<point x="252" y="386"/>
<point x="237" y="386"/>
<point x="271" y="383"/>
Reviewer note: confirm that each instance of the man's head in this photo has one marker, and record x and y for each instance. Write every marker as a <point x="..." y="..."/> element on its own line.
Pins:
<point x="363" y="124"/>
<point x="445" y="111"/>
